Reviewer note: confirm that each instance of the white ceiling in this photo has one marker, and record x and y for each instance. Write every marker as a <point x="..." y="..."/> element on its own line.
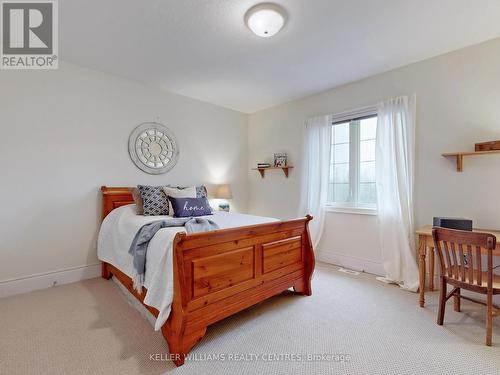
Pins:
<point x="202" y="49"/>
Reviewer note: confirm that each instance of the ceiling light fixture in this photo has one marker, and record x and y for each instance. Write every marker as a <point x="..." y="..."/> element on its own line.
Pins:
<point x="265" y="19"/>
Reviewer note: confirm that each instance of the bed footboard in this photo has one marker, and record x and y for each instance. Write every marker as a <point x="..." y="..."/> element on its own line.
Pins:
<point x="219" y="273"/>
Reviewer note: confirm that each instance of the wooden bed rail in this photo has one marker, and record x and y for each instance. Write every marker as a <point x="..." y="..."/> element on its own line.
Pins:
<point x="219" y="273"/>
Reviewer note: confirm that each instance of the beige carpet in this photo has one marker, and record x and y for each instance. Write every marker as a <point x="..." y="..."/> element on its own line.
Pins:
<point x="89" y="328"/>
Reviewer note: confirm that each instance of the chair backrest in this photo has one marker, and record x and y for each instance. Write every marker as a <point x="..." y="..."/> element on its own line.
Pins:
<point x="460" y="254"/>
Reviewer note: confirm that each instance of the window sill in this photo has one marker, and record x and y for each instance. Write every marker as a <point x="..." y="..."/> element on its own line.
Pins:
<point x="352" y="210"/>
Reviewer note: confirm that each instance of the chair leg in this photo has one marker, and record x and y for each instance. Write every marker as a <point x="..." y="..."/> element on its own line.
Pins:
<point x="442" y="300"/>
<point x="489" y="318"/>
<point x="456" y="301"/>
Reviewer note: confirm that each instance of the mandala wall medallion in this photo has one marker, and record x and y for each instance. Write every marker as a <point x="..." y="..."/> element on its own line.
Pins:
<point x="153" y="148"/>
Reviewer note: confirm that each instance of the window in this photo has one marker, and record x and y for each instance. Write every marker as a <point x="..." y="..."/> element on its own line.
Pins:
<point x="352" y="162"/>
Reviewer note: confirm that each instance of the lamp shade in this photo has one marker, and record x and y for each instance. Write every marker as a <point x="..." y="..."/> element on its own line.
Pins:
<point x="223" y="191"/>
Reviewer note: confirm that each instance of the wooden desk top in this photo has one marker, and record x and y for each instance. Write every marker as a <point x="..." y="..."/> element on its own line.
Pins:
<point x="427" y="231"/>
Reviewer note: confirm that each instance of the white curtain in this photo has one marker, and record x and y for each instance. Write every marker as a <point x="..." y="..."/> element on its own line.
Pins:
<point x="316" y="173"/>
<point x="395" y="164"/>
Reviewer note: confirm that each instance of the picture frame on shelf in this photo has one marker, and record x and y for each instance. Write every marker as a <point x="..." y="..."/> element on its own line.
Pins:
<point x="280" y="159"/>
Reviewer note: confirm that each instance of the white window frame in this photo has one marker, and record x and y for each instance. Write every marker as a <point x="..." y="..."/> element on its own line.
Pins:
<point x="353" y="207"/>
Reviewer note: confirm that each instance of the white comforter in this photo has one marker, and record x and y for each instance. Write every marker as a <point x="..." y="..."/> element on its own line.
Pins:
<point x="116" y="235"/>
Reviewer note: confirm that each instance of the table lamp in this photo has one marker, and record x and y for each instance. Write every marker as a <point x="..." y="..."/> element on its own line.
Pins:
<point x="223" y="191"/>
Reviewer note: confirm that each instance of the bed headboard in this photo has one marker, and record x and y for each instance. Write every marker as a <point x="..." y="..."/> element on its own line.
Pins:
<point x="114" y="197"/>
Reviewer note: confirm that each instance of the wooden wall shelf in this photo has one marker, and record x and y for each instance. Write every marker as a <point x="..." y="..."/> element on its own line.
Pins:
<point x="460" y="156"/>
<point x="262" y="171"/>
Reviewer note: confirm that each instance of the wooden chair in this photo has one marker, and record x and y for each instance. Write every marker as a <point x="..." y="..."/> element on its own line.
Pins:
<point x="460" y="254"/>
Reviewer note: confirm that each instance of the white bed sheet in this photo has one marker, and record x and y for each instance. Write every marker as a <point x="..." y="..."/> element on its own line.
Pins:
<point x="115" y="237"/>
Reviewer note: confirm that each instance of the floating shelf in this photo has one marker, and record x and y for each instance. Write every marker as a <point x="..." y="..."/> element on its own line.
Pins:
<point x="262" y="171"/>
<point x="460" y="156"/>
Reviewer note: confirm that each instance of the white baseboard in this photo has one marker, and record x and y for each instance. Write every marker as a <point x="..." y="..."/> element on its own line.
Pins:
<point x="353" y="263"/>
<point x="49" y="279"/>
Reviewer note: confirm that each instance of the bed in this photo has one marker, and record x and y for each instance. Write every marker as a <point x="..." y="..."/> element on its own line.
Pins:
<point x="218" y="273"/>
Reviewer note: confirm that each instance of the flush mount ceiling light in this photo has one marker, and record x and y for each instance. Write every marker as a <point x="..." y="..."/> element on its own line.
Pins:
<point x="265" y="19"/>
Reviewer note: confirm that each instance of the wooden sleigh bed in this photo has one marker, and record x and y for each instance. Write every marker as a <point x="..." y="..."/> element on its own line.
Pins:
<point x="219" y="273"/>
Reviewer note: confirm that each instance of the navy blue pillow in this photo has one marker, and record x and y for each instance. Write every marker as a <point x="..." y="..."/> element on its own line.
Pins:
<point x="188" y="207"/>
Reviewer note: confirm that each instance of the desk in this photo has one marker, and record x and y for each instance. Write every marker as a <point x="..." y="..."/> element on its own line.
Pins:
<point x="425" y="243"/>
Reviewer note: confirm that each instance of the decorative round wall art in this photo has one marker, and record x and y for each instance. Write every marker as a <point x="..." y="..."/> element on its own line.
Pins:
<point x="153" y="148"/>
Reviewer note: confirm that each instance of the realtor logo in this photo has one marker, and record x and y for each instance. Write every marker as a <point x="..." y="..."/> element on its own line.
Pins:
<point x="29" y="34"/>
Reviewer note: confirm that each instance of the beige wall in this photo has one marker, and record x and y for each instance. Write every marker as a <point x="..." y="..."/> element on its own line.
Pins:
<point x="64" y="133"/>
<point x="458" y="104"/>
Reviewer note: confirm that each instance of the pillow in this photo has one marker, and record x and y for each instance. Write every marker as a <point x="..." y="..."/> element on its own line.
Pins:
<point x="188" y="207"/>
<point x="154" y="200"/>
<point x="201" y="190"/>
<point x="179" y="192"/>
<point x="136" y="194"/>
